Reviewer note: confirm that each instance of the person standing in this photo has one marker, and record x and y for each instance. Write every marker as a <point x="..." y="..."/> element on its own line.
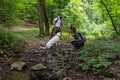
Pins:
<point x="57" y="22"/>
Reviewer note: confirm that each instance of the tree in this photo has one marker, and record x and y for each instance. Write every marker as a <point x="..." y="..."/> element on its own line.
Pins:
<point x="46" y="20"/>
<point x="74" y="14"/>
<point x="111" y="18"/>
<point x="8" y="11"/>
<point x="53" y="7"/>
<point x="40" y="15"/>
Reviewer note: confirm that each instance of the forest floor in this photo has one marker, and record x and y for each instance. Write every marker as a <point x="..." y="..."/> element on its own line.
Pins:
<point x="61" y="61"/>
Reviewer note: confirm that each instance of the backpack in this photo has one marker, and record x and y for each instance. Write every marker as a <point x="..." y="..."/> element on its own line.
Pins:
<point x="57" y="21"/>
<point x="82" y="37"/>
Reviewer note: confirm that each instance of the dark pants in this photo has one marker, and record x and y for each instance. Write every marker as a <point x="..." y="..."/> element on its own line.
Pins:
<point x="77" y="44"/>
<point x="54" y="31"/>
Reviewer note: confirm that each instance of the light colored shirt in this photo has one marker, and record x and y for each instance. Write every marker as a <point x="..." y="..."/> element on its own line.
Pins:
<point x="58" y="23"/>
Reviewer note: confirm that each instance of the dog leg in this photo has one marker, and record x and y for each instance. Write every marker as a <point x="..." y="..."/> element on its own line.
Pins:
<point x="56" y="44"/>
<point x="41" y="47"/>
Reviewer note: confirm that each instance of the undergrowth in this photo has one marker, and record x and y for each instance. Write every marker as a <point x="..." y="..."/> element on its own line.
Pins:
<point x="10" y="43"/>
<point x="98" y="55"/>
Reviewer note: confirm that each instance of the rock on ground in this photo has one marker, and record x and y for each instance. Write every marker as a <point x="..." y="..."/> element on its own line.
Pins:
<point x="38" y="67"/>
<point x="18" y="65"/>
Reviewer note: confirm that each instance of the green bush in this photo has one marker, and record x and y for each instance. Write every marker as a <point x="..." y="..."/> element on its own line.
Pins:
<point x="11" y="43"/>
<point x="98" y="55"/>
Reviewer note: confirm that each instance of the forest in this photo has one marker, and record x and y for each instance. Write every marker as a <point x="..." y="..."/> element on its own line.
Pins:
<point x="26" y="25"/>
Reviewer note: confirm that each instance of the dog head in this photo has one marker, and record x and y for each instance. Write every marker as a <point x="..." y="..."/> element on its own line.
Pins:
<point x="58" y="34"/>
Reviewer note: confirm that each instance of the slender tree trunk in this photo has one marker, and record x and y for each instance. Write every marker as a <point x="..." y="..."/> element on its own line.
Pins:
<point x="40" y="15"/>
<point x="46" y="20"/>
<point x="83" y="4"/>
<point x="90" y="2"/>
<point x="51" y="17"/>
<point x="109" y="16"/>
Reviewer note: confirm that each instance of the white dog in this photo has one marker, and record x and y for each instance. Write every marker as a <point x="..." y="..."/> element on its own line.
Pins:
<point x="53" y="41"/>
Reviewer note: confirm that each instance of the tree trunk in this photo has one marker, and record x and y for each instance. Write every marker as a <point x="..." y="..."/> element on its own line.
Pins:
<point x="51" y="17"/>
<point x="40" y="16"/>
<point x="90" y="2"/>
<point x="46" y="20"/>
<point x="109" y="16"/>
<point x="83" y="4"/>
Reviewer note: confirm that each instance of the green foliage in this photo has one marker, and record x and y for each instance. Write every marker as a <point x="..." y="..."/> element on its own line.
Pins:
<point x="99" y="20"/>
<point x="29" y="34"/>
<point x="29" y="10"/>
<point x="75" y="15"/>
<point x="11" y="43"/>
<point x="112" y="6"/>
<point x="11" y="10"/>
<point x="8" y="11"/>
<point x="88" y="16"/>
<point x="57" y="3"/>
<point x="107" y="79"/>
<point x="98" y="54"/>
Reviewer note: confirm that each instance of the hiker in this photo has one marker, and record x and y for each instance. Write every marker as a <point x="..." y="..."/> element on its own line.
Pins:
<point x="57" y="22"/>
<point x="79" y="38"/>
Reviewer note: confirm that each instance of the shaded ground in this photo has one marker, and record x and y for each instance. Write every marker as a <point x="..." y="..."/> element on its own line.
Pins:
<point x="65" y="59"/>
<point x="62" y="60"/>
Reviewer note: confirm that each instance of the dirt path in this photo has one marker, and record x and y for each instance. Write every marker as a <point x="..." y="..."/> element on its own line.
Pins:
<point x="21" y="29"/>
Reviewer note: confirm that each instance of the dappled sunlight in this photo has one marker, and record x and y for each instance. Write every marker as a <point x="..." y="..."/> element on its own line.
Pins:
<point x="18" y="29"/>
